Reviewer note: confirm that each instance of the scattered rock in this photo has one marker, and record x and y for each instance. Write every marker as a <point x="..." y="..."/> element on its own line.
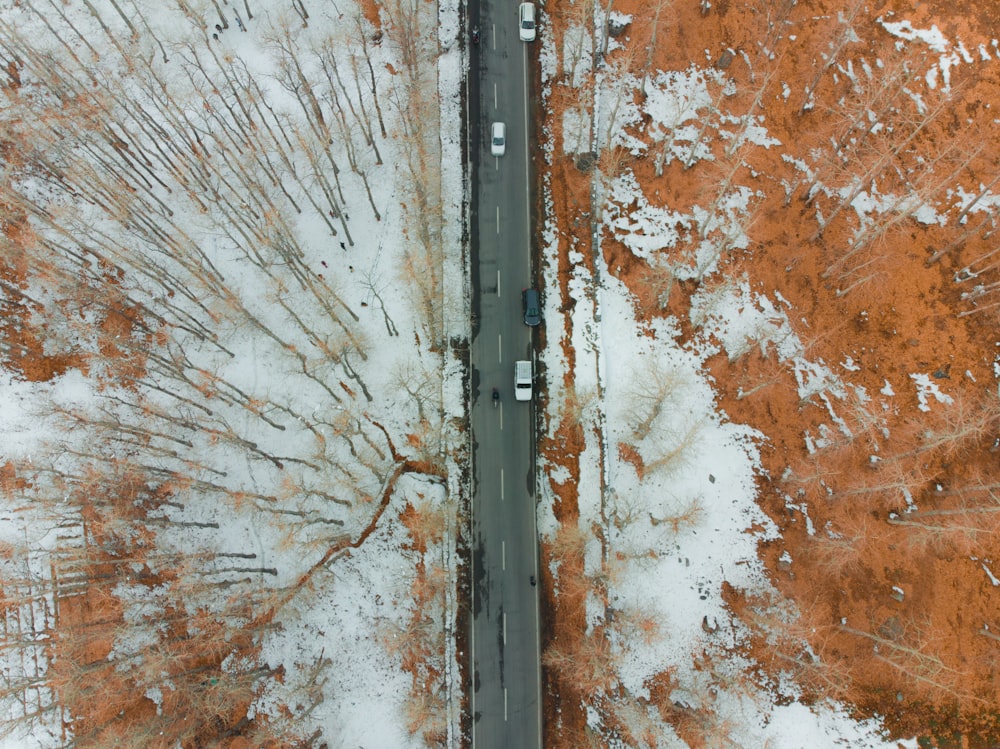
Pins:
<point x="585" y="161"/>
<point x="616" y="28"/>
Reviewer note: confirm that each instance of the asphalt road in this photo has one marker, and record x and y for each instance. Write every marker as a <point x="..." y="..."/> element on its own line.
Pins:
<point x="505" y="700"/>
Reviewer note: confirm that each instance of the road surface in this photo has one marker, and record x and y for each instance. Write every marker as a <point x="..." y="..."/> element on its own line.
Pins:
<point x="505" y="696"/>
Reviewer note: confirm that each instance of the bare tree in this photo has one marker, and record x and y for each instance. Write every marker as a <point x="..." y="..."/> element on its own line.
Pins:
<point x="586" y="664"/>
<point x="843" y="36"/>
<point x="904" y="645"/>
<point x="921" y="192"/>
<point x="890" y="150"/>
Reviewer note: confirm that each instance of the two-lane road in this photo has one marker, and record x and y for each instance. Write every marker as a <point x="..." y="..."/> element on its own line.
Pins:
<point x="506" y="700"/>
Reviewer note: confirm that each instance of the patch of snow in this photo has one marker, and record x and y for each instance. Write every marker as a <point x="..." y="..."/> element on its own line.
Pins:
<point x="617" y="111"/>
<point x="932" y="37"/>
<point x="340" y="613"/>
<point x="926" y="389"/>
<point x="641" y="227"/>
<point x="548" y="55"/>
<point x="155" y="695"/>
<point x="993" y="579"/>
<point x="827" y="724"/>
<point x="674" y="103"/>
<point x="576" y="130"/>
<point x="576" y="57"/>
<point x="619" y="19"/>
<point x="734" y="316"/>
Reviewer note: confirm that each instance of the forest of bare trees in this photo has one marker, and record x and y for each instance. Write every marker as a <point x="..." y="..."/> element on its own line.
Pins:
<point x="187" y="221"/>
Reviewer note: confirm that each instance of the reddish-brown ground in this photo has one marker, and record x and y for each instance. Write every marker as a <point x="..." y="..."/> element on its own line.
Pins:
<point x="23" y="341"/>
<point x="108" y="705"/>
<point x="934" y="670"/>
<point x="418" y="644"/>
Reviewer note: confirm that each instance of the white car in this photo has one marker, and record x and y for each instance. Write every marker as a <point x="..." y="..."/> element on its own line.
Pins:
<point x="498" y="139"/>
<point x="522" y="380"/>
<point x="526" y="22"/>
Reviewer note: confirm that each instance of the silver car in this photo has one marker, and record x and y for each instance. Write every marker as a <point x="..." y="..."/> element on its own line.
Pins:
<point x="498" y="139"/>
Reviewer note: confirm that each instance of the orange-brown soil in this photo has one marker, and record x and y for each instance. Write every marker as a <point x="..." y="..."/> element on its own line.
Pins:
<point x="897" y="604"/>
<point x="101" y="704"/>
<point x="106" y="704"/>
<point x="566" y="613"/>
<point x="23" y="341"/>
<point x="103" y="314"/>
<point x="418" y="644"/>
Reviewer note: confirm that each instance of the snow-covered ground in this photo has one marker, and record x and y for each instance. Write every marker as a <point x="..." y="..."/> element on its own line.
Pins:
<point x="685" y="526"/>
<point x="281" y="198"/>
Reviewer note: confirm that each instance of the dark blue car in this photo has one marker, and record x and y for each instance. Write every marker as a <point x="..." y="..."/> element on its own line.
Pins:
<point x="532" y="316"/>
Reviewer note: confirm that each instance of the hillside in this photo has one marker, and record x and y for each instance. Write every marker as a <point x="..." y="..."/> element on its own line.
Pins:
<point x="794" y="205"/>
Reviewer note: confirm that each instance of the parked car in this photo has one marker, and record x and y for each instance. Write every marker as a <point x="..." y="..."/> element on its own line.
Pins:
<point x="532" y="315"/>
<point x="526" y="22"/>
<point x="498" y="139"/>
